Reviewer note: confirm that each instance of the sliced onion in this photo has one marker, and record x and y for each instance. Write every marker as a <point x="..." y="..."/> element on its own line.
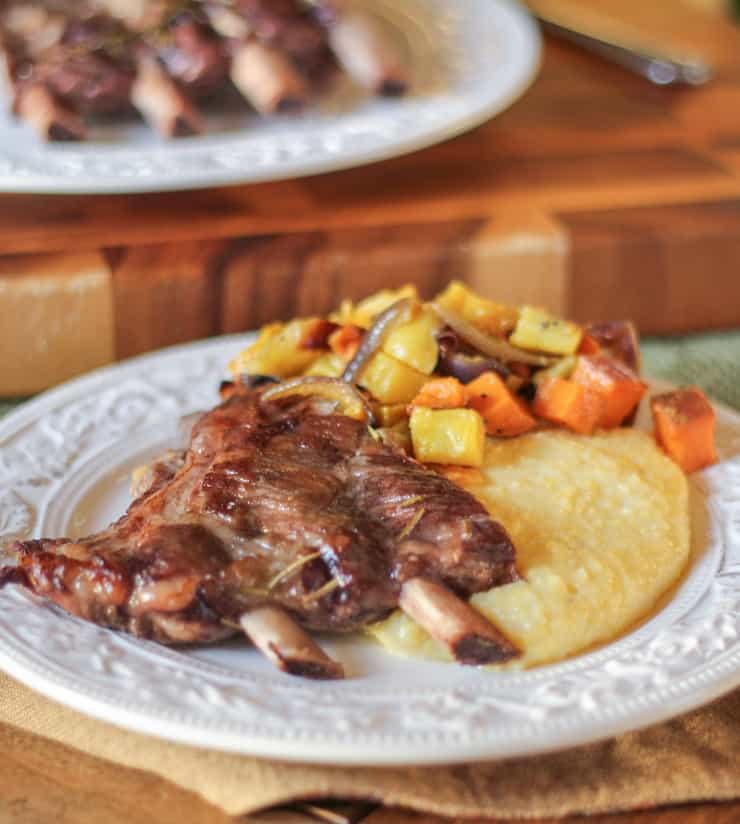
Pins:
<point x="347" y="399"/>
<point x="467" y="368"/>
<point x="491" y="347"/>
<point x="374" y="337"/>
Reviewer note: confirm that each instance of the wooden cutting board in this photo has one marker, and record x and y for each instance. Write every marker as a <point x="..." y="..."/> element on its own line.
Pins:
<point x="596" y="194"/>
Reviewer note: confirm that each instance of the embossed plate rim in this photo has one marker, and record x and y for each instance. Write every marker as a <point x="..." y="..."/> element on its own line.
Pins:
<point x="620" y="687"/>
<point x="322" y="140"/>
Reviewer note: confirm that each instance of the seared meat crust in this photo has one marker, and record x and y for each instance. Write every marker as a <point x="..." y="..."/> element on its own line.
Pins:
<point x="281" y="502"/>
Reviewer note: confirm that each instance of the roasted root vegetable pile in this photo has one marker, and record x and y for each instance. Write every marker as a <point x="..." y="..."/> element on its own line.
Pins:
<point x="439" y="377"/>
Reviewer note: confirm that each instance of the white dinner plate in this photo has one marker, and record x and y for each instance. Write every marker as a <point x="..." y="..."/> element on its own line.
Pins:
<point x="469" y="60"/>
<point x="65" y="464"/>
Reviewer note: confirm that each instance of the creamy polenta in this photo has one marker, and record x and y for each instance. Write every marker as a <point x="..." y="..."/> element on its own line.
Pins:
<point x="601" y="529"/>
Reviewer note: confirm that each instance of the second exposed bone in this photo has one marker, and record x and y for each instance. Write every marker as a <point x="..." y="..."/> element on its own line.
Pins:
<point x="367" y="54"/>
<point x="470" y="637"/>
<point x="37" y="106"/>
<point x="267" y="78"/>
<point x="161" y="102"/>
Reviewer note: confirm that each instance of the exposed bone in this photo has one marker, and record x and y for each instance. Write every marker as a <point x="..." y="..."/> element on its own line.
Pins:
<point x="161" y="102"/>
<point x="448" y="619"/>
<point x="267" y="79"/>
<point x="227" y="22"/>
<point x="139" y="14"/>
<point x="35" y="105"/>
<point x="366" y="53"/>
<point x="281" y="640"/>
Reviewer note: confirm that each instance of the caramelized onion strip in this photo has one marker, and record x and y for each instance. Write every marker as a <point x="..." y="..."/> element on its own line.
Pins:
<point x="486" y="344"/>
<point x="374" y="337"/>
<point x="346" y="398"/>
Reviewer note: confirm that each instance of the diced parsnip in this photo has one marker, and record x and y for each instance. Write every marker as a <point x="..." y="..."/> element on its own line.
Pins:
<point x="538" y="330"/>
<point x="684" y="426"/>
<point x="414" y="342"/>
<point x="619" y="387"/>
<point x="569" y="404"/>
<point x="390" y="414"/>
<point x="441" y="393"/>
<point x="390" y="381"/>
<point x="448" y="436"/>
<point x="346" y="340"/>
<point x="282" y="349"/>
<point x="561" y="369"/>
<point x="328" y="365"/>
<point x="505" y="414"/>
<point x="363" y="313"/>
<point x="495" y="318"/>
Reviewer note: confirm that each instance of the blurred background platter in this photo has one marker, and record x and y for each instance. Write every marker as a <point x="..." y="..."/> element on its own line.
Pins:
<point x="469" y="61"/>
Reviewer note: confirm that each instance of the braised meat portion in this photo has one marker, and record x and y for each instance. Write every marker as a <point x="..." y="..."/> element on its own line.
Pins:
<point x="277" y="503"/>
<point x="67" y="60"/>
<point x="83" y="71"/>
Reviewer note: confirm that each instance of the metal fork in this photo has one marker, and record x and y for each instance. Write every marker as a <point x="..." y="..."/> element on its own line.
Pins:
<point x="661" y="69"/>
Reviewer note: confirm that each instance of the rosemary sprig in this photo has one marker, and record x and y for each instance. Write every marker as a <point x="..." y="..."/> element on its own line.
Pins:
<point x="319" y="593"/>
<point x="291" y="568"/>
<point x="411" y="525"/>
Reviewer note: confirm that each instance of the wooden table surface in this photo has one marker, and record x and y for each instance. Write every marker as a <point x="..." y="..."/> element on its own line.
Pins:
<point x="596" y="194"/>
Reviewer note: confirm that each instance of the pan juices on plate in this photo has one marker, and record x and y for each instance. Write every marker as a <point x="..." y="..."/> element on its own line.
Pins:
<point x="532" y="415"/>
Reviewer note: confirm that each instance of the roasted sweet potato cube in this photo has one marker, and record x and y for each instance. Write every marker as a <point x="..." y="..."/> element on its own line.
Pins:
<point x="619" y="386"/>
<point x="568" y="404"/>
<point x="684" y="426"/>
<point x="345" y="341"/>
<point x="504" y="413"/>
<point x="589" y="345"/>
<point x="441" y="393"/>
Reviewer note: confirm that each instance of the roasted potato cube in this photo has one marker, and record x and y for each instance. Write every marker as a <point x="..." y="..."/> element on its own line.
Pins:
<point x="283" y="349"/>
<point x="363" y="313"/>
<point x="390" y="414"/>
<point x="390" y="381"/>
<point x="448" y="436"/>
<point x="495" y="318"/>
<point x="414" y="342"/>
<point x="561" y="369"/>
<point x="328" y="365"/>
<point x="538" y="330"/>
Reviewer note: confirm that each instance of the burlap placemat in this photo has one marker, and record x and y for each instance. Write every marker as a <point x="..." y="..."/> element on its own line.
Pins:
<point x="693" y="758"/>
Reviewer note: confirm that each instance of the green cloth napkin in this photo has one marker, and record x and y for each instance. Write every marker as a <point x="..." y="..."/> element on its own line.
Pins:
<point x="711" y="361"/>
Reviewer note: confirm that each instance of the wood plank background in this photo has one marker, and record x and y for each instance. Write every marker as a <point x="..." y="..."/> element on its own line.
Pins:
<point x="596" y="194"/>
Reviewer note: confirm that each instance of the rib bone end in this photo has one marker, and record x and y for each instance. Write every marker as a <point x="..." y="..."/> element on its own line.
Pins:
<point x="470" y="637"/>
<point x="279" y="638"/>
